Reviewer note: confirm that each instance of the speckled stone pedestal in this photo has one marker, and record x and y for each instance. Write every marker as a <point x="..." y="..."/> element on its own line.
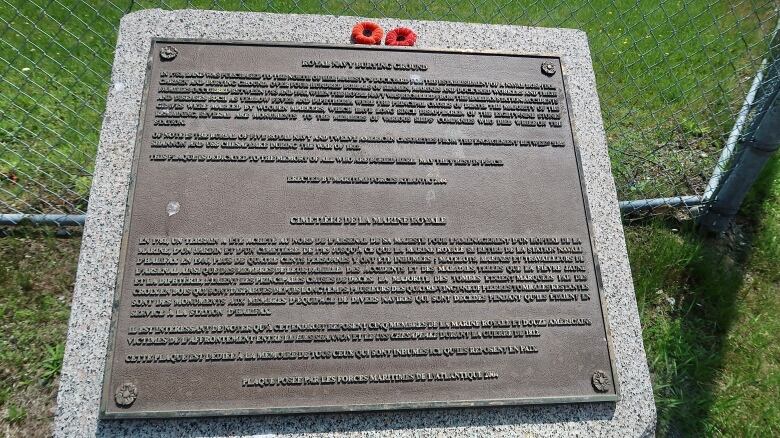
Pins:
<point x="82" y="373"/>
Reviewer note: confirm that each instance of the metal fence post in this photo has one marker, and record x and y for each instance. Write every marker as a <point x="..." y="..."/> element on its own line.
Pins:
<point x="664" y="109"/>
<point x="753" y="150"/>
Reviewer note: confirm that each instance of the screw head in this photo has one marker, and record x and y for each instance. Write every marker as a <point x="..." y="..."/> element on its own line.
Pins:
<point x="600" y="381"/>
<point x="125" y="394"/>
<point x="168" y="53"/>
<point x="548" y="68"/>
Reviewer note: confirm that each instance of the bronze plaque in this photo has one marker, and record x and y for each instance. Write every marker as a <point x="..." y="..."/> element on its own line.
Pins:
<point x="337" y="228"/>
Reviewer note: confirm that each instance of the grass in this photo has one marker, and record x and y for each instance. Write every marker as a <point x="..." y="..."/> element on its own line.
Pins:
<point x="36" y="281"/>
<point x="670" y="74"/>
<point x="710" y="311"/>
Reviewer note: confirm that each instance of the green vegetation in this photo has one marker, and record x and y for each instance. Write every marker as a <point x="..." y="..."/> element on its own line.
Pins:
<point x="37" y="272"/>
<point x="55" y="64"/>
<point x="670" y="77"/>
<point x="710" y="313"/>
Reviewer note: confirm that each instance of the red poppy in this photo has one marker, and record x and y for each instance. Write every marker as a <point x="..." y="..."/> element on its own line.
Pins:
<point x="402" y="36"/>
<point x="367" y="32"/>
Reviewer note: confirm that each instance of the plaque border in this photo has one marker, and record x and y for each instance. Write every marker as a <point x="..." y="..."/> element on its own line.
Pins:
<point x="105" y="398"/>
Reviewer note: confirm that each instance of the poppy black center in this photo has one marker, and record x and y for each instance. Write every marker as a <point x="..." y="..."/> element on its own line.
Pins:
<point x="367" y="32"/>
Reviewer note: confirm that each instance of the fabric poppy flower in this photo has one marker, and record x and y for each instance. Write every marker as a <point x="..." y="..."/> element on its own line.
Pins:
<point x="402" y="36"/>
<point x="367" y="32"/>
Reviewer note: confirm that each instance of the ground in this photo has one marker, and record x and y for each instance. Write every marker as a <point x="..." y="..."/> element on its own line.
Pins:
<point x="671" y="75"/>
<point x="710" y="312"/>
<point x="37" y="271"/>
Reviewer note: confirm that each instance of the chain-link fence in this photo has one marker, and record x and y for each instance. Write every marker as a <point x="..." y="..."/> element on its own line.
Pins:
<point x="672" y="76"/>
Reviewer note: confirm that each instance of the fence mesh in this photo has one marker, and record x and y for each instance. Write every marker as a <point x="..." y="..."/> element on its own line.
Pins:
<point x="672" y="76"/>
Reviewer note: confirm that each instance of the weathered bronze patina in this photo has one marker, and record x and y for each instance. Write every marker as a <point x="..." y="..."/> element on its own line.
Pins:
<point x="323" y="228"/>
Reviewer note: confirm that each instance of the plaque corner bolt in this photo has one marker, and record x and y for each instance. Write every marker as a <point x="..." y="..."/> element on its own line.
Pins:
<point x="168" y="53"/>
<point x="548" y="68"/>
<point x="125" y="395"/>
<point x="600" y="381"/>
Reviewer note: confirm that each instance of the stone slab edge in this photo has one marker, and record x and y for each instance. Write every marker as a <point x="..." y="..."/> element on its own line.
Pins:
<point x="83" y="365"/>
